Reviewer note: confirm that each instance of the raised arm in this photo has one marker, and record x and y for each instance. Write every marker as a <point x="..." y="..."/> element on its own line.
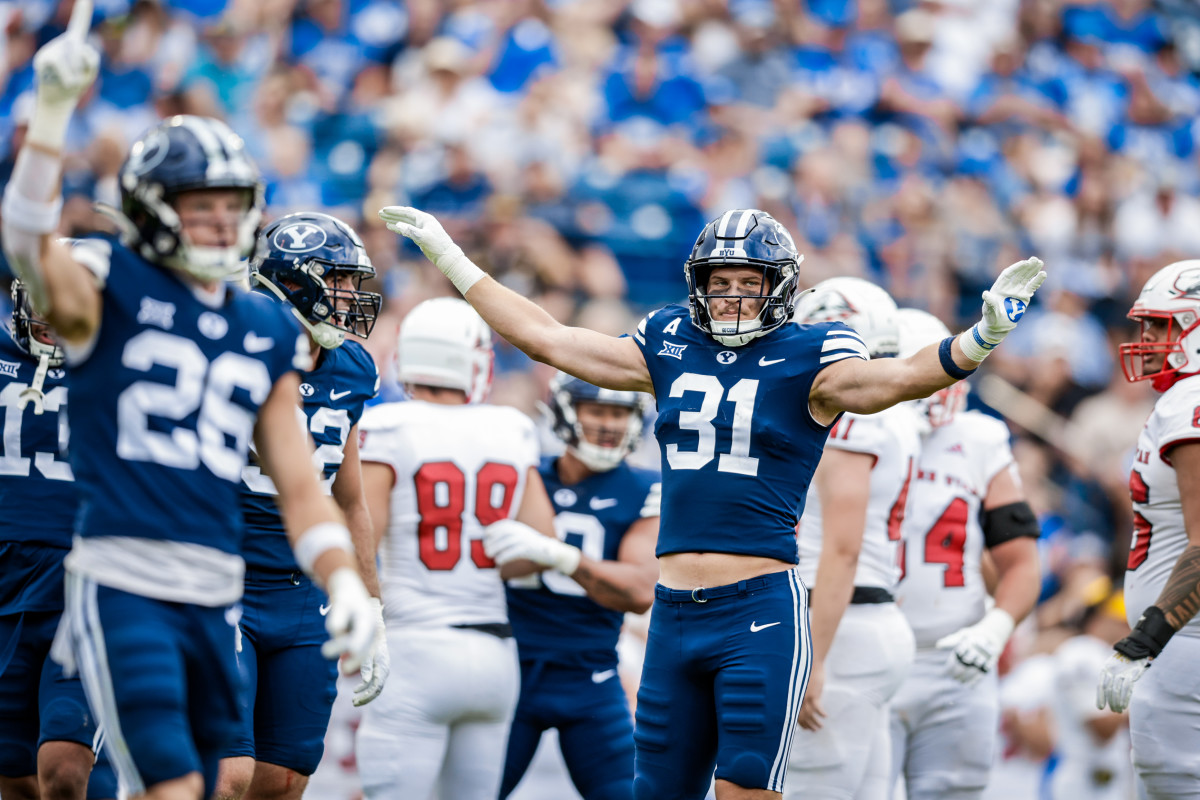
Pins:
<point x="611" y="362"/>
<point x="867" y="387"/>
<point x="60" y="288"/>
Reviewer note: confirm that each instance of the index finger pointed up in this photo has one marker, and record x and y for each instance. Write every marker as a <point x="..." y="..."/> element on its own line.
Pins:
<point x="81" y="20"/>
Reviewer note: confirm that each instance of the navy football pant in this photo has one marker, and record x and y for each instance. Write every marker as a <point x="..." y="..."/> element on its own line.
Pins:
<point x="725" y="671"/>
<point x="595" y="730"/>
<point x="291" y="686"/>
<point x="39" y="704"/>
<point x="161" y="679"/>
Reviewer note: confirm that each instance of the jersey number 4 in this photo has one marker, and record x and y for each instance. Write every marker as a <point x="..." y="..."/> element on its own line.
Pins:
<point x="441" y="500"/>
<point x="946" y="542"/>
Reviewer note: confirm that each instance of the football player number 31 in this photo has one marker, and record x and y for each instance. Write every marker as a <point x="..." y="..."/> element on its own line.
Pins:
<point x="738" y="460"/>
<point x="441" y="500"/>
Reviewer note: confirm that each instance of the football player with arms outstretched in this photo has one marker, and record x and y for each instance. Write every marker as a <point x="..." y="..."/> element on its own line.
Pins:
<point x="745" y="400"/>
<point x="848" y="540"/>
<point x="965" y="497"/>
<point x="1162" y="581"/>
<point x="567" y="620"/>
<point x="315" y="264"/>
<point x="438" y="469"/>
<point x="178" y="372"/>
<point x="47" y="733"/>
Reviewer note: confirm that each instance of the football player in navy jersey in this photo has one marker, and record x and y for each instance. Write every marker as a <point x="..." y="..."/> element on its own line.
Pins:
<point x="315" y="264"/>
<point x="567" y="627"/>
<point x="173" y="373"/>
<point x="745" y="400"/>
<point x="47" y="734"/>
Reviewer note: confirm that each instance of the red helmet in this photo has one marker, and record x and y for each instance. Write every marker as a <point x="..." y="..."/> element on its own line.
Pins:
<point x="1172" y="295"/>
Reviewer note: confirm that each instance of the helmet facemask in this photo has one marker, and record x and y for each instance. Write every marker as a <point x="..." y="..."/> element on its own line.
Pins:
<point x="33" y="335"/>
<point x="1175" y="358"/>
<point x="745" y="239"/>
<point x="327" y="310"/>
<point x="608" y="453"/>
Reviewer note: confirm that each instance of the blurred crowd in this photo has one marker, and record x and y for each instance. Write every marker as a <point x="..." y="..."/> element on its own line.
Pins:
<point x="576" y="147"/>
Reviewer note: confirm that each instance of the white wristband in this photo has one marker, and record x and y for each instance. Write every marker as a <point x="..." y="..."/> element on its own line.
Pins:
<point x="28" y="215"/>
<point x="461" y="271"/>
<point x="319" y="538"/>
<point x="973" y="345"/>
<point x="48" y="126"/>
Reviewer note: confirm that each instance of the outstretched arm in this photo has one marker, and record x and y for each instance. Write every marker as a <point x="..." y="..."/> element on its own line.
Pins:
<point x="59" y="287"/>
<point x="611" y="362"/>
<point x="867" y="387"/>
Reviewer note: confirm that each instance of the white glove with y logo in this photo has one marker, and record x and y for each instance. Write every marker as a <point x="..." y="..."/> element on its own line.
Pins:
<point x="429" y="235"/>
<point x="65" y="68"/>
<point x="1003" y="306"/>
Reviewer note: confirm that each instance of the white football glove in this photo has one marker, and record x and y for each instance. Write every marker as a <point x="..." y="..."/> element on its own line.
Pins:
<point x="509" y="540"/>
<point x="377" y="665"/>
<point x="65" y="67"/>
<point x="976" y="648"/>
<point x="429" y="235"/>
<point x="1003" y="306"/>
<point x="1117" y="678"/>
<point x="352" y="621"/>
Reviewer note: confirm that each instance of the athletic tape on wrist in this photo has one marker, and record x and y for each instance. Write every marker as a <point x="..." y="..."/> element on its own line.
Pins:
<point x="462" y="272"/>
<point x="319" y="538"/>
<point x="951" y="369"/>
<point x="30" y="215"/>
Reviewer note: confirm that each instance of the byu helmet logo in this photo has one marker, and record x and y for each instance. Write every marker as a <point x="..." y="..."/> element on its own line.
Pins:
<point x="1014" y="308"/>
<point x="302" y="237"/>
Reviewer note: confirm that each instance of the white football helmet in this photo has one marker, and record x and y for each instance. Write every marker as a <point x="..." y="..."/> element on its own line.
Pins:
<point x="918" y="330"/>
<point x="1172" y="295"/>
<point x="862" y="305"/>
<point x="445" y="343"/>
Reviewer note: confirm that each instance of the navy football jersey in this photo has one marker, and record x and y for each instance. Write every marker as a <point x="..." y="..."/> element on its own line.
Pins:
<point x="333" y="396"/>
<point x="552" y="616"/>
<point x="738" y="443"/>
<point x="37" y="489"/>
<point x="166" y="400"/>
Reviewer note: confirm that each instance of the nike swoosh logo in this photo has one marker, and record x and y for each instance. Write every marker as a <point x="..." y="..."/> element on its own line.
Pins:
<point x="755" y="628"/>
<point x="337" y="395"/>
<point x="596" y="504"/>
<point x="601" y="677"/>
<point x="325" y="610"/>
<point x="763" y="362"/>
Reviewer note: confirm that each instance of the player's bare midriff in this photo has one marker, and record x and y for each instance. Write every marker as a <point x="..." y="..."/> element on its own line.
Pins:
<point x="701" y="570"/>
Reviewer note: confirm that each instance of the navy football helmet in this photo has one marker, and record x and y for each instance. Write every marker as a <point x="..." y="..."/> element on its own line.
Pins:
<point x="744" y="238"/>
<point x="182" y="154"/>
<point x="567" y="390"/>
<point x="31" y="333"/>
<point x="301" y="259"/>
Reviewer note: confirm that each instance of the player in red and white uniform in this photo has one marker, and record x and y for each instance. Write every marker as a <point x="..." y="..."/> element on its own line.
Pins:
<point x="848" y="536"/>
<point x="1162" y="584"/>
<point x="965" y="496"/>
<point x="438" y="469"/>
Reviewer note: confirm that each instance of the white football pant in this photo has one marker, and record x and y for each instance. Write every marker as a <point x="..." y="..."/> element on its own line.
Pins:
<point x="441" y="722"/>
<point x="1164" y="723"/>
<point x="943" y="733"/>
<point x="850" y="757"/>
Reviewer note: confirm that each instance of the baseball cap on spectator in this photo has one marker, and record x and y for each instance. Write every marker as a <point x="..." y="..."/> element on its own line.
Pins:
<point x="915" y="27"/>
<point x="445" y="54"/>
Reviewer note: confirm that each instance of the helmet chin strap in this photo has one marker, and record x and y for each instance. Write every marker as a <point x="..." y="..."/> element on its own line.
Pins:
<point x="33" y="392"/>
<point x="325" y="335"/>
<point x="597" y="458"/>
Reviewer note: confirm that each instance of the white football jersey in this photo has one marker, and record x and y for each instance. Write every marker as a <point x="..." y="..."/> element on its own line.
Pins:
<point x="1158" y="533"/>
<point x="942" y="589"/>
<point x="892" y="437"/>
<point x="458" y="468"/>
